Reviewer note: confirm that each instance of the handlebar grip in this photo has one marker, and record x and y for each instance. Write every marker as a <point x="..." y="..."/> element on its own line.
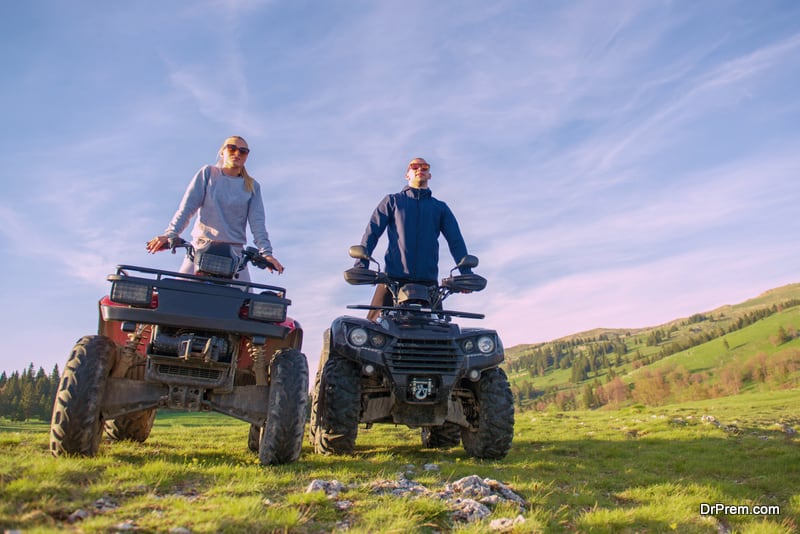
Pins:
<point x="257" y="259"/>
<point x="262" y="263"/>
<point x="173" y="243"/>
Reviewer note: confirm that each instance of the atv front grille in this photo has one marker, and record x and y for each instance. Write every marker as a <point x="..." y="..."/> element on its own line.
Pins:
<point x="210" y="375"/>
<point x="430" y="356"/>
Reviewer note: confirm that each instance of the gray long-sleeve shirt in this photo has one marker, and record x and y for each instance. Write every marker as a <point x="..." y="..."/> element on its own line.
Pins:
<point x="223" y="208"/>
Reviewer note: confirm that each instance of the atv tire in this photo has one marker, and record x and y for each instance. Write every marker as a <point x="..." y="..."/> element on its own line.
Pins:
<point x="492" y="418"/>
<point x="134" y="426"/>
<point x="335" y="407"/>
<point x="77" y="423"/>
<point x="441" y="437"/>
<point x="281" y="438"/>
<point x="254" y="438"/>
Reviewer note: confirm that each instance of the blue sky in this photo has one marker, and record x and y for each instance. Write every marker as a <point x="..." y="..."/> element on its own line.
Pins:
<point x="613" y="164"/>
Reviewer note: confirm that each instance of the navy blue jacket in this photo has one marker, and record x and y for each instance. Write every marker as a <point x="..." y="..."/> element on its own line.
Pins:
<point x="414" y="220"/>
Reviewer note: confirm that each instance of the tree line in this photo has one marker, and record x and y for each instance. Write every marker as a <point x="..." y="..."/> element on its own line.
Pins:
<point x="28" y="394"/>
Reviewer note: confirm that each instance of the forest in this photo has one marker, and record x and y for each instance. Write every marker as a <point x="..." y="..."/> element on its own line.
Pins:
<point x="28" y="394"/>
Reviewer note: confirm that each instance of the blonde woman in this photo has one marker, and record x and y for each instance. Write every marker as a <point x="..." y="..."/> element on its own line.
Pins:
<point x="225" y="199"/>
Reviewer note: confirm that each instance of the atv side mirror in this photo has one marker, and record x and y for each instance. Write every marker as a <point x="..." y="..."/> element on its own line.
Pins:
<point x="469" y="261"/>
<point x="359" y="252"/>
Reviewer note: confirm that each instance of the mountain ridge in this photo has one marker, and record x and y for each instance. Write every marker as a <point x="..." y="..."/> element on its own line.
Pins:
<point x="775" y="296"/>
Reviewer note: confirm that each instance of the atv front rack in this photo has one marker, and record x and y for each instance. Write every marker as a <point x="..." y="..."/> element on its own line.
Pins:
<point x="421" y="311"/>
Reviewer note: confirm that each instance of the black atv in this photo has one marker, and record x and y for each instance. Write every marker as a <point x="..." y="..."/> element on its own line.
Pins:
<point x="186" y="342"/>
<point x="413" y="366"/>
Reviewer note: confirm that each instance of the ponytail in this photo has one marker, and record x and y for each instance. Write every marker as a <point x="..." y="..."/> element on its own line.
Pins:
<point x="249" y="182"/>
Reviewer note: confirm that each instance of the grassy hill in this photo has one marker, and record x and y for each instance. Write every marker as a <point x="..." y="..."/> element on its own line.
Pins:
<point x="732" y="349"/>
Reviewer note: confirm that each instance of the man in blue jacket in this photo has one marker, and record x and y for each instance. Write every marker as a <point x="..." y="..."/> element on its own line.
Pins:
<point x="413" y="219"/>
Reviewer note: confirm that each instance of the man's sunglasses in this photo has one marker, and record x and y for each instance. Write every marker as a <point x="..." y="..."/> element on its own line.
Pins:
<point x="240" y="149"/>
<point x="423" y="166"/>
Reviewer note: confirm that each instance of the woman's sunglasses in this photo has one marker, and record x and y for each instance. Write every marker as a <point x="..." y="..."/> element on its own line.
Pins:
<point x="240" y="149"/>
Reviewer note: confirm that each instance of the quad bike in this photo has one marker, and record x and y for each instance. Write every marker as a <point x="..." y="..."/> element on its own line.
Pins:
<point x="202" y="342"/>
<point x="413" y="366"/>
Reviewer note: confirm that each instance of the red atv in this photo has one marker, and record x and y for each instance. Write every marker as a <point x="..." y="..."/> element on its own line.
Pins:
<point x="204" y="342"/>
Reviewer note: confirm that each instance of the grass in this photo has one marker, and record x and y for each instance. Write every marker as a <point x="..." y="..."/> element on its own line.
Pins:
<point x="637" y="469"/>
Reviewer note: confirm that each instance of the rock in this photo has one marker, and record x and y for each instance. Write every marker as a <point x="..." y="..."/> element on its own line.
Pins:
<point x="128" y="524"/>
<point x="103" y="505"/>
<point x="400" y="487"/>
<point x="468" y="510"/>
<point x="471" y="486"/>
<point x="331" y="488"/>
<point x="492" y="500"/>
<point x="505" y="524"/>
<point x="77" y="515"/>
<point x="470" y="497"/>
<point x="504" y="491"/>
<point x="710" y="419"/>
<point x="343" y="505"/>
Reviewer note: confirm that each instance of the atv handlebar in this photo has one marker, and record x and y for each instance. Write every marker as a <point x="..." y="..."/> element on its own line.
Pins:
<point x="468" y="282"/>
<point x="249" y="254"/>
<point x="252" y="255"/>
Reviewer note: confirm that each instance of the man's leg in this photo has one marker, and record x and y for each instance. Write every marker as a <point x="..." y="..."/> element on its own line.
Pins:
<point x="382" y="297"/>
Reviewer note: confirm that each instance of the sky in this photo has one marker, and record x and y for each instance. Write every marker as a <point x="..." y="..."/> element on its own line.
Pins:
<point x="614" y="164"/>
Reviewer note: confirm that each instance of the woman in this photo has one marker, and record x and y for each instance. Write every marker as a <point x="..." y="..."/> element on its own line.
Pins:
<point x="226" y="199"/>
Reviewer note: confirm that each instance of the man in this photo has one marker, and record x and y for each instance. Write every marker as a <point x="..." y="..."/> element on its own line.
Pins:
<point x="414" y="219"/>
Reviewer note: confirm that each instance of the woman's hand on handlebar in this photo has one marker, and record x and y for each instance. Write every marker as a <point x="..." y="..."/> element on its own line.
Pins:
<point x="273" y="263"/>
<point x="159" y="242"/>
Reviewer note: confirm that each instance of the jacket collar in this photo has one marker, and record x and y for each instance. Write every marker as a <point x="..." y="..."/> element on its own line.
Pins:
<point x="418" y="194"/>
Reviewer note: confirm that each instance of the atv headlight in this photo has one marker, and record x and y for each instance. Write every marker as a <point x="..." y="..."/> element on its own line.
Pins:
<point x="377" y="340"/>
<point x="486" y="344"/>
<point x="216" y="265"/>
<point x="358" y="337"/>
<point x="133" y="293"/>
<point x="273" y="312"/>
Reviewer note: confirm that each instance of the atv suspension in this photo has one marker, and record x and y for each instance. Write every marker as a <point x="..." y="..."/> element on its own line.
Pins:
<point x="260" y="363"/>
<point x="128" y="355"/>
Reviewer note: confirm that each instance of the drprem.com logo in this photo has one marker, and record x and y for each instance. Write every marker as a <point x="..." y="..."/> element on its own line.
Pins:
<point x="741" y="509"/>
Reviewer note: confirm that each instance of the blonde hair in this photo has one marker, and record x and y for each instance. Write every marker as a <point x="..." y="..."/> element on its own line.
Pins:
<point x="249" y="181"/>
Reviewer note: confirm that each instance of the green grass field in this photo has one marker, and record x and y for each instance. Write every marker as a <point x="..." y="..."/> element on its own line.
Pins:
<point x="637" y="469"/>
